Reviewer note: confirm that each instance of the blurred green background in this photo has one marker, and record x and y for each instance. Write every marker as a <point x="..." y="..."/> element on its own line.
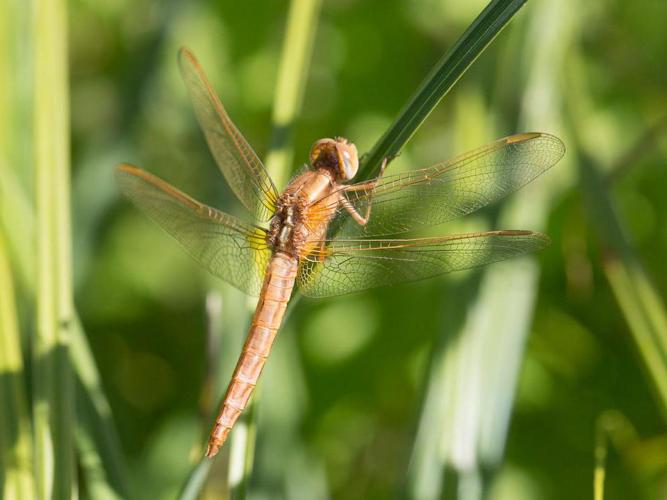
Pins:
<point x="505" y="383"/>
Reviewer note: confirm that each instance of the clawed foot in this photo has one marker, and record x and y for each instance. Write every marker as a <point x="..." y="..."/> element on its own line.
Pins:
<point x="386" y="161"/>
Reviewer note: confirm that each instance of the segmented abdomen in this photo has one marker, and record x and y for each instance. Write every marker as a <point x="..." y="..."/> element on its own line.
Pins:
<point x="276" y="292"/>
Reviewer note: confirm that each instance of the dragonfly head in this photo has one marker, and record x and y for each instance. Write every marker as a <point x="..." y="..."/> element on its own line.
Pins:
<point x="338" y="155"/>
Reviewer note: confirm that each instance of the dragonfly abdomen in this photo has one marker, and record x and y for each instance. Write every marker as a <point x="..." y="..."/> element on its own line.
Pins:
<point x="276" y="292"/>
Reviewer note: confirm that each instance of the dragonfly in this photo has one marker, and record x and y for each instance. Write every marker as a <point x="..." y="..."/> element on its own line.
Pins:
<point x="325" y="234"/>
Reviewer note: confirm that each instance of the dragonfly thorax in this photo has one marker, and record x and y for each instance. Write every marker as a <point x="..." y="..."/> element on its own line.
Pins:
<point x="281" y="228"/>
<point x="303" y="212"/>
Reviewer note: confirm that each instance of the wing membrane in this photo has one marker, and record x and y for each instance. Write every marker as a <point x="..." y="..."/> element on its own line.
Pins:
<point x="243" y="170"/>
<point x="229" y="248"/>
<point x="460" y="186"/>
<point x="352" y="265"/>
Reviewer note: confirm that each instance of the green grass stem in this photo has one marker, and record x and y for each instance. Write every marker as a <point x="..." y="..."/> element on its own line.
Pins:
<point x="94" y="416"/>
<point x="17" y="478"/>
<point x="53" y="401"/>
<point x="16" y="460"/>
<point x="292" y="77"/>
<point x="98" y="444"/>
<point x="440" y="81"/>
<point x="196" y="480"/>
<point x="636" y="295"/>
<point x="242" y="451"/>
<point x="475" y="368"/>
<point x="638" y="299"/>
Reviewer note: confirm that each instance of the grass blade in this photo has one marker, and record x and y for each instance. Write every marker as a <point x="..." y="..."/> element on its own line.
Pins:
<point x="17" y="217"/>
<point x="295" y="61"/>
<point x="639" y="301"/>
<point x="196" y="481"/>
<point x="643" y="458"/>
<point x="16" y="469"/>
<point x="98" y="444"/>
<point x="242" y="452"/>
<point x="16" y="444"/>
<point x="474" y="372"/>
<point x="95" y="422"/>
<point x="611" y="428"/>
<point x="53" y="405"/>
<point x="440" y="80"/>
<point x="636" y="295"/>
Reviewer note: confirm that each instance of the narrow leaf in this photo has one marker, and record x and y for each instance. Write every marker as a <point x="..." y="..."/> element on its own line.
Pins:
<point x="440" y="80"/>
<point x="637" y="297"/>
<point x="53" y="403"/>
<point x="15" y="438"/>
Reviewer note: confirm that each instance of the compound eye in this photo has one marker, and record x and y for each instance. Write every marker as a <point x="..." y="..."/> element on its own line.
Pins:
<point x="347" y="165"/>
<point x="348" y="161"/>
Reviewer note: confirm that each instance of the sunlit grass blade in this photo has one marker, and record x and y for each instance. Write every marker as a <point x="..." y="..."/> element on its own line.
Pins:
<point x="242" y="452"/>
<point x="639" y="301"/>
<point x="196" y="480"/>
<point x="474" y="373"/>
<point x="19" y="221"/>
<point x="17" y="478"/>
<point x="94" y="475"/>
<point x="93" y="411"/>
<point x="53" y="401"/>
<point x="440" y="80"/>
<point x="613" y="427"/>
<point x="98" y="443"/>
<point x="16" y="213"/>
<point x="638" y="298"/>
<point x="645" y="313"/>
<point x="643" y="458"/>
<point x="292" y="76"/>
<point x="15" y="438"/>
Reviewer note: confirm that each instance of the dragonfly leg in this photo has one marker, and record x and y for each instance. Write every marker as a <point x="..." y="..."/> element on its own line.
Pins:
<point x="370" y="184"/>
<point x="367" y="186"/>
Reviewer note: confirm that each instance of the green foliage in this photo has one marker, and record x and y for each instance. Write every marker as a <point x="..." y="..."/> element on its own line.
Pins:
<point x="513" y="382"/>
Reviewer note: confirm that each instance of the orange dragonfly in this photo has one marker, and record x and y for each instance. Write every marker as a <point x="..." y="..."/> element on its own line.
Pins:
<point x="327" y="235"/>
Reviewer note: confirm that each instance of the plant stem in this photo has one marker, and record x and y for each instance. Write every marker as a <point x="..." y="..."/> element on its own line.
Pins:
<point x="242" y="452"/>
<point x="53" y="405"/>
<point x="15" y="439"/>
<point x="98" y="444"/>
<point x="440" y="80"/>
<point x="294" y="63"/>
<point x="636" y="295"/>
<point x="16" y="459"/>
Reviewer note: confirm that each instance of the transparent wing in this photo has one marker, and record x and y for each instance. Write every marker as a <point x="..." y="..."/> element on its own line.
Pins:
<point x="229" y="248"/>
<point x="352" y="265"/>
<point x="243" y="170"/>
<point x="447" y="190"/>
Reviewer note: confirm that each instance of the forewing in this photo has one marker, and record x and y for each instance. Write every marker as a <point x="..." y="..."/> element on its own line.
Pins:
<point x="430" y="196"/>
<point x="243" y="170"/>
<point x="352" y="265"/>
<point x="229" y="248"/>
